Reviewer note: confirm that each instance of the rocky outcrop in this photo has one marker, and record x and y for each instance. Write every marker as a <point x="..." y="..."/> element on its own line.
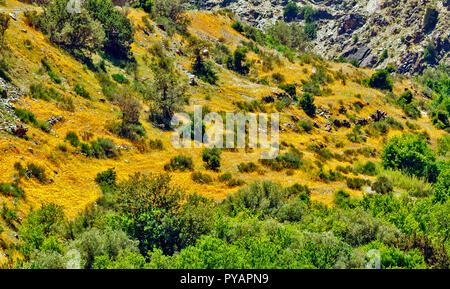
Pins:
<point x="359" y="30"/>
<point x="10" y="94"/>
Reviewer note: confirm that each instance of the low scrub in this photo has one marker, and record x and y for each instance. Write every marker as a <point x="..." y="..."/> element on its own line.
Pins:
<point x="180" y="163"/>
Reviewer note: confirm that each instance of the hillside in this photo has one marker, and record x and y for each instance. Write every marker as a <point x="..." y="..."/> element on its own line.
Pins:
<point x="326" y="143"/>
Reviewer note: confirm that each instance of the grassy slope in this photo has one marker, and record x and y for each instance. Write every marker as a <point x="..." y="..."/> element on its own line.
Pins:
<point x="73" y="175"/>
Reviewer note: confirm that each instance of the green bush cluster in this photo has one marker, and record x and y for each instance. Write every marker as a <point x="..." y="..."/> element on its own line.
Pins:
<point x="179" y="163"/>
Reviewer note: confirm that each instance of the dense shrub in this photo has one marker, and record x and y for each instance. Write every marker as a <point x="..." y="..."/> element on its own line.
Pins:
<point x="290" y="11"/>
<point x="12" y="189"/>
<point x="380" y="79"/>
<point x="107" y="180"/>
<point x="118" y="29"/>
<point x="311" y="30"/>
<point x="305" y="125"/>
<point x="290" y="89"/>
<point x="307" y="104"/>
<point x="25" y="116"/>
<point x="81" y="91"/>
<point x="283" y="161"/>
<point x="79" y="33"/>
<point x="120" y="78"/>
<point x="411" y="154"/>
<point x="200" y="178"/>
<point x="430" y="54"/>
<point x="238" y="26"/>
<point x="382" y="185"/>
<point x="212" y="159"/>
<point x="42" y="92"/>
<point x="247" y="167"/>
<point x="179" y="163"/>
<point x="355" y="183"/>
<point x="406" y="97"/>
<point x="203" y="69"/>
<point x="167" y="91"/>
<point x="291" y="35"/>
<point x="238" y="61"/>
<point x="430" y="19"/>
<point x="4" y="23"/>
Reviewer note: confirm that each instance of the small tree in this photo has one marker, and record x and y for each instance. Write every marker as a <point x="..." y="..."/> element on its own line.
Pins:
<point x="307" y="104"/>
<point x="4" y="22"/>
<point x="410" y="154"/>
<point x="430" y="54"/>
<point x="77" y="32"/>
<point x="406" y="97"/>
<point x="203" y="69"/>
<point x="238" y="62"/>
<point x="166" y="92"/>
<point x="430" y="19"/>
<point x="380" y="79"/>
<point x="117" y="27"/>
<point x="290" y="11"/>
<point x="212" y="159"/>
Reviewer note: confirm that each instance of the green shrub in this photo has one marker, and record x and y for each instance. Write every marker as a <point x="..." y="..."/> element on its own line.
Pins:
<point x="330" y="176"/>
<point x="107" y="180"/>
<point x="4" y="23"/>
<point x="235" y="183"/>
<point x="381" y="80"/>
<point x="9" y="214"/>
<point x="439" y="118"/>
<point x="12" y="189"/>
<point x="415" y="186"/>
<point x="247" y="167"/>
<point x="307" y="104"/>
<point x="410" y="154"/>
<point x="37" y="172"/>
<point x="305" y="125"/>
<point x="291" y="11"/>
<point x="212" y="159"/>
<point x="356" y="136"/>
<point x="444" y="145"/>
<point x="81" y="91"/>
<point x="355" y="183"/>
<point x="44" y="126"/>
<point x="203" y="69"/>
<point x="430" y="19"/>
<point x="406" y="97"/>
<point x="107" y="147"/>
<point x="238" y="61"/>
<point x="311" y="30"/>
<point x="73" y="139"/>
<point x="119" y="78"/>
<point x="41" y="92"/>
<point x="430" y="54"/>
<point x="382" y="185"/>
<point x="225" y="177"/>
<point x="283" y="161"/>
<point x="118" y="30"/>
<point x="25" y="116"/>
<point x="179" y="163"/>
<point x="442" y="187"/>
<point x="368" y="168"/>
<point x="411" y="110"/>
<point x="289" y="88"/>
<point x="238" y="26"/>
<point x="156" y="144"/>
<point x="200" y="178"/>
<point x="341" y="198"/>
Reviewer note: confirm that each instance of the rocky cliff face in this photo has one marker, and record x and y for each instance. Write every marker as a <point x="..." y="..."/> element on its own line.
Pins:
<point x="360" y="30"/>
